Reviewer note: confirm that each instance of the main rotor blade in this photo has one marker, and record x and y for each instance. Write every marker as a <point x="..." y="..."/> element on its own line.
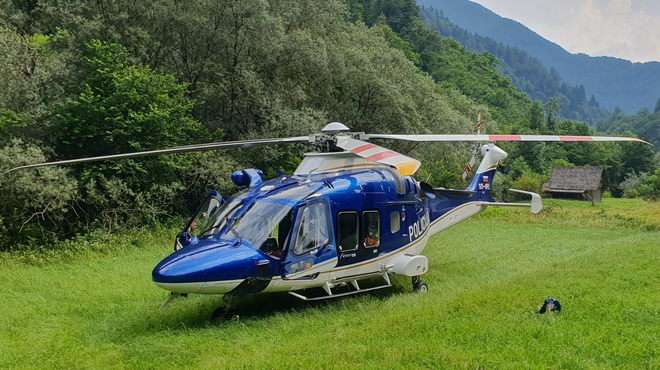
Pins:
<point x="471" y="163"/>
<point x="407" y="166"/>
<point x="178" y="149"/>
<point x="471" y="138"/>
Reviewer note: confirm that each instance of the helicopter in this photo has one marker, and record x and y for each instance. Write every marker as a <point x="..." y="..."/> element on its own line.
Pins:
<point x="350" y="212"/>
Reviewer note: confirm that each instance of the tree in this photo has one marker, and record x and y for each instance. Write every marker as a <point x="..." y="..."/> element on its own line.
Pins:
<point x="552" y="109"/>
<point x="650" y="187"/>
<point x="657" y="106"/>
<point x="397" y="43"/>
<point x="536" y="116"/>
<point x="124" y="108"/>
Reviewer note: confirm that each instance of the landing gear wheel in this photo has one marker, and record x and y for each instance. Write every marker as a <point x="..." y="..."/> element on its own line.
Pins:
<point x="232" y="315"/>
<point x="420" y="286"/>
<point x="224" y="314"/>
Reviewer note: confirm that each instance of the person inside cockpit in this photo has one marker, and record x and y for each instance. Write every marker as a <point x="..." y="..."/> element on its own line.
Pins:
<point x="276" y="242"/>
<point x="372" y="238"/>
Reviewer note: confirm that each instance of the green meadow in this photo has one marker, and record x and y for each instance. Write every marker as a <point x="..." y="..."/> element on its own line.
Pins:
<point x="92" y="305"/>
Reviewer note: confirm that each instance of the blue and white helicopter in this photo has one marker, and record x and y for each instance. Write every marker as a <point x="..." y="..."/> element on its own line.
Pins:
<point x="349" y="213"/>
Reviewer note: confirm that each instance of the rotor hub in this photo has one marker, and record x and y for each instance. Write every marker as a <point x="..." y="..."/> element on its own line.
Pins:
<point x="334" y="128"/>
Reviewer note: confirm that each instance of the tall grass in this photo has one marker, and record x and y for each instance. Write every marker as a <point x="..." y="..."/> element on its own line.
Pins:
<point x="487" y="278"/>
<point x="634" y="214"/>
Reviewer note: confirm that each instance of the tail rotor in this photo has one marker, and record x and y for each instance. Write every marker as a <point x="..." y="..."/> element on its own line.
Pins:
<point x="475" y="150"/>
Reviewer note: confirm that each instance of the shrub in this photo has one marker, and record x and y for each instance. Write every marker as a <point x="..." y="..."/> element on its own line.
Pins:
<point x="34" y="203"/>
<point x="529" y="181"/>
<point x="126" y="108"/>
<point x="632" y="193"/>
<point x="632" y="181"/>
<point x="441" y="174"/>
<point x="500" y="187"/>
<point x="517" y="168"/>
<point x="650" y="187"/>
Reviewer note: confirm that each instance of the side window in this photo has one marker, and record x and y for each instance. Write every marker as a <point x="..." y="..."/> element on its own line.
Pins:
<point x="311" y="228"/>
<point x="395" y="222"/>
<point x="371" y="228"/>
<point x="347" y="231"/>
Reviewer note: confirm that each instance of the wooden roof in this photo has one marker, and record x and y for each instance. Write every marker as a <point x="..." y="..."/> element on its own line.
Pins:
<point x="574" y="179"/>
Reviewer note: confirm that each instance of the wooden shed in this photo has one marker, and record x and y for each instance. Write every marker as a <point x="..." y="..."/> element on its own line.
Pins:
<point x="576" y="183"/>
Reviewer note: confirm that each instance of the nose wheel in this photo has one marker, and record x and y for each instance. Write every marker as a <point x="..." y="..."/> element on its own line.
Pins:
<point x="419" y="285"/>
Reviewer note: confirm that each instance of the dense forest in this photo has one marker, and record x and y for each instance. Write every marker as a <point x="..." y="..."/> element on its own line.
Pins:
<point x="644" y="124"/>
<point x="86" y="78"/>
<point x="527" y="74"/>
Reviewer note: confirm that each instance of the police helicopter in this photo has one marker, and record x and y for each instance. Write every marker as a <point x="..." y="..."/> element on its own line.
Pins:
<point x="350" y="212"/>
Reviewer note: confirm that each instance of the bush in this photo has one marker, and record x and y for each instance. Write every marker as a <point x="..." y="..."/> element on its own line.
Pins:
<point x="517" y="168"/>
<point x="34" y="203"/>
<point x="500" y="187"/>
<point x="529" y="181"/>
<point x="632" y="182"/>
<point x="441" y="174"/>
<point x="650" y="187"/>
<point x="632" y="193"/>
<point x="126" y="108"/>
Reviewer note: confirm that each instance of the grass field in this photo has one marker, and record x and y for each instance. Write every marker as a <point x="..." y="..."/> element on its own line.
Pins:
<point x="488" y="277"/>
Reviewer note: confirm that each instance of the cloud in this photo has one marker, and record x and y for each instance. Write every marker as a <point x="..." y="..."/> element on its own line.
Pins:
<point x="627" y="29"/>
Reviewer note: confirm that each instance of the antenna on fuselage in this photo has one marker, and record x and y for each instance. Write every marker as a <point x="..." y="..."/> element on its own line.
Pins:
<point x="309" y="176"/>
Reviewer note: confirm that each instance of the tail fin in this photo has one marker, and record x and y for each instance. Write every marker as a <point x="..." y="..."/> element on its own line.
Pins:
<point x="483" y="178"/>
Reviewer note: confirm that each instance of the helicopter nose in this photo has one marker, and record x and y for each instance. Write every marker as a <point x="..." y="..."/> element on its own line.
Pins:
<point x="181" y="275"/>
<point x="178" y="270"/>
<point x="207" y="270"/>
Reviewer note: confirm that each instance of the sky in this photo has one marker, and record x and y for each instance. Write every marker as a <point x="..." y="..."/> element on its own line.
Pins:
<point x="627" y="29"/>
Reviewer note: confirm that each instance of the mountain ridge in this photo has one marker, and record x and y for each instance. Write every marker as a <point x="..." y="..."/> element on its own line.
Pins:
<point x="614" y="81"/>
<point x="527" y="73"/>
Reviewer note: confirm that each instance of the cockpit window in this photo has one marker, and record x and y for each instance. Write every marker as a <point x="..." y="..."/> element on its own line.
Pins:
<point x="264" y="225"/>
<point x="311" y="230"/>
<point x="212" y="216"/>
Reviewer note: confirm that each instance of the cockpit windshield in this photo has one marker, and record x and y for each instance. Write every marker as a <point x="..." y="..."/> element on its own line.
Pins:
<point x="264" y="225"/>
<point x="212" y="217"/>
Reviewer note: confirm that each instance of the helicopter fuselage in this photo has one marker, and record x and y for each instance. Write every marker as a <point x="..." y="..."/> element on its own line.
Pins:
<point x="350" y="219"/>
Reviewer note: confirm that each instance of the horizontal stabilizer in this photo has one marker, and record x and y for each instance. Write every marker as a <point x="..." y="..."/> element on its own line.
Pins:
<point x="536" y="204"/>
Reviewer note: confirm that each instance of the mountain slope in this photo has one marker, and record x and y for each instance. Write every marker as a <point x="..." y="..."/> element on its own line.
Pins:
<point x="528" y="74"/>
<point x="614" y="82"/>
